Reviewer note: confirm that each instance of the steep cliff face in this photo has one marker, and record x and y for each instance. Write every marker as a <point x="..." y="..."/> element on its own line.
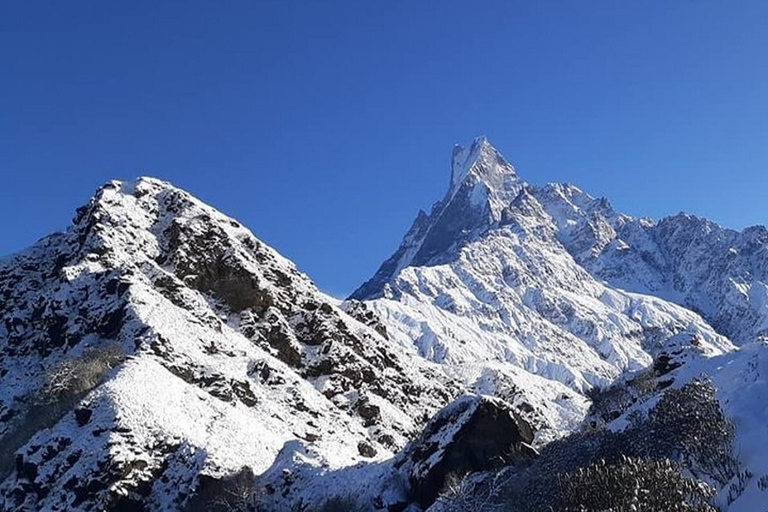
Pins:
<point x="157" y="341"/>
<point x="482" y="184"/>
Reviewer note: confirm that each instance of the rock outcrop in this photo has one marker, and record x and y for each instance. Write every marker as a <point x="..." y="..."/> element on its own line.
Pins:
<point x="472" y="434"/>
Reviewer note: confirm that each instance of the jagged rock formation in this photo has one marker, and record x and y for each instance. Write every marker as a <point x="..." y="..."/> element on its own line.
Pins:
<point x="719" y="273"/>
<point x="482" y="184"/>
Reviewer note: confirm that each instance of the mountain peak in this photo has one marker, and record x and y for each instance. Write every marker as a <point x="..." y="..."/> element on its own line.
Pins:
<point x="463" y="158"/>
<point x="483" y="162"/>
<point x="483" y="184"/>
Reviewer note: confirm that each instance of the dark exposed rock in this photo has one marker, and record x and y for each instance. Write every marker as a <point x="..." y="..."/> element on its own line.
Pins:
<point x="368" y="411"/>
<point x="111" y="323"/>
<point x="73" y="457"/>
<point x="360" y="312"/>
<point x="387" y="440"/>
<point x="664" y="363"/>
<point x="215" y="384"/>
<point x="57" y="446"/>
<point x="261" y="371"/>
<point x="83" y="415"/>
<point x="243" y="392"/>
<point x="211" y="268"/>
<point x="278" y="336"/>
<point x="115" y="286"/>
<point x="472" y="434"/>
<point x="226" y="494"/>
<point x="126" y="504"/>
<point x="366" y="449"/>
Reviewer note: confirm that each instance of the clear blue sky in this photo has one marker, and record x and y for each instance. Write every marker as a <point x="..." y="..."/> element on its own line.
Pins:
<point x="325" y="126"/>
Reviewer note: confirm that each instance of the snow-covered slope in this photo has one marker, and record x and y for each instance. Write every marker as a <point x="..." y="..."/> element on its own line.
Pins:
<point x="741" y="380"/>
<point x="506" y="305"/>
<point x="718" y="272"/>
<point x="157" y="341"/>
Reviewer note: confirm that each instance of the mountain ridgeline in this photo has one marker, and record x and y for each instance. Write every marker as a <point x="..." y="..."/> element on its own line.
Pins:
<point x="525" y="348"/>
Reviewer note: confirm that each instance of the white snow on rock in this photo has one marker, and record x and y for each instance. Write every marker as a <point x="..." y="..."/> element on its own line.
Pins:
<point x="229" y="354"/>
<point x="157" y="341"/>
<point x="513" y="296"/>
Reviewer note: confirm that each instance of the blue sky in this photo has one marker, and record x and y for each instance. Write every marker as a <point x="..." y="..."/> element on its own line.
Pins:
<point x="326" y="126"/>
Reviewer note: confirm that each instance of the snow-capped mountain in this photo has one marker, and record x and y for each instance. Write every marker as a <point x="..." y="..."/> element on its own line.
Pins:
<point x="537" y="294"/>
<point x="719" y="273"/>
<point x="489" y="285"/>
<point x="157" y="342"/>
<point x="157" y="351"/>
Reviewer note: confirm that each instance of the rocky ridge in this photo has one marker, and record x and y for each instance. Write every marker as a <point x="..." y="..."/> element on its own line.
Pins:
<point x="158" y="341"/>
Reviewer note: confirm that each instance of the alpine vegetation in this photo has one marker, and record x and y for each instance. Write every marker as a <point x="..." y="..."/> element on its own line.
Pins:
<point x="674" y="458"/>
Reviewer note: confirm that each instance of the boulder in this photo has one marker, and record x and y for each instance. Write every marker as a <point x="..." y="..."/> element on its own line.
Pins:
<point x="231" y="493"/>
<point x="474" y="433"/>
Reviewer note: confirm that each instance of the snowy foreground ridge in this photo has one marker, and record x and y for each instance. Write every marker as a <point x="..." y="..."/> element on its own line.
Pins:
<point x="157" y="348"/>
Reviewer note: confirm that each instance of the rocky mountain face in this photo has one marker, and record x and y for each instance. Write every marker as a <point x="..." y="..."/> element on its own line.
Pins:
<point x="157" y="356"/>
<point x="717" y="272"/>
<point x="539" y="294"/>
<point x="506" y="303"/>
<point x="482" y="184"/>
<point x="157" y="342"/>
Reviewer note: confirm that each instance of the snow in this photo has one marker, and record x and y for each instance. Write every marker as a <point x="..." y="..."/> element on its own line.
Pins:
<point x="541" y="295"/>
<point x="514" y="296"/>
<point x="183" y="401"/>
<point x="561" y="293"/>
